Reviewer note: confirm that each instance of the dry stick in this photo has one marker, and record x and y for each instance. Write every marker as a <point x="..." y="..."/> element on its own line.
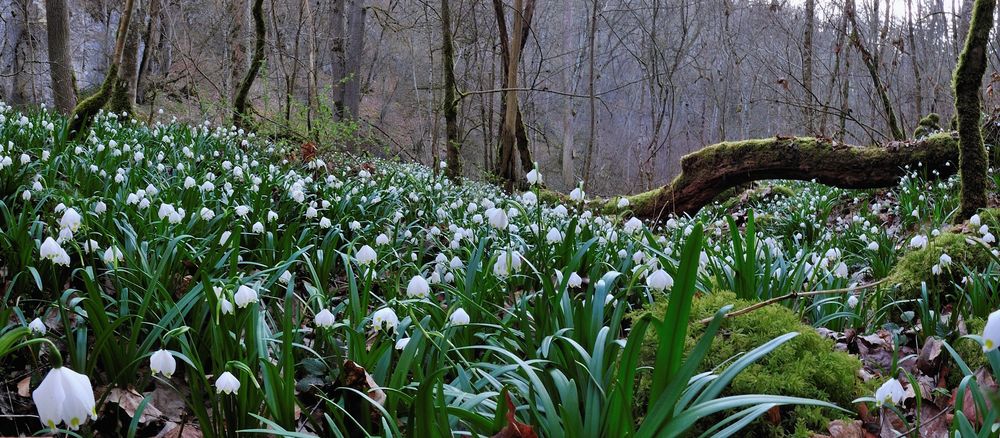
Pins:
<point x="794" y="295"/>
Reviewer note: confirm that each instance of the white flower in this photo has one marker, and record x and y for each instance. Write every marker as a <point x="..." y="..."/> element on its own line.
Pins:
<point x="285" y="277"/>
<point x="242" y="210"/>
<point x="852" y="301"/>
<point x="113" y="254"/>
<point x="975" y="220"/>
<point x="325" y="319"/>
<point x="841" y="270"/>
<point x="633" y="225"/>
<point x="384" y="318"/>
<point x="534" y="177"/>
<point x="37" y="327"/>
<point x="64" y="396"/>
<point x="918" y="241"/>
<point x="659" y="280"/>
<point x="257" y="227"/>
<point x="890" y="392"/>
<point x="873" y="246"/>
<point x="507" y="262"/>
<point x="529" y="198"/>
<point x="226" y="306"/>
<point x="402" y="343"/>
<point x="574" y="280"/>
<point x="366" y="255"/>
<point x="459" y="317"/>
<point x="163" y="362"/>
<point x="382" y="239"/>
<point x="498" y="218"/>
<point x="418" y="287"/>
<point x="70" y="219"/>
<point x="577" y="195"/>
<point x="225" y="237"/>
<point x="227" y="383"/>
<point x="623" y="202"/>
<point x="991" y="333"/>
<point x="244" y="296"/>
<point x="50" y="249"/>
<point x="272" y="216"/>
<point x="553" y="236"/>
<point x="944" y="260"/>
<point x="26" y="195"/>
<point x="325" y="223"/>
<point x="207" y="214"/>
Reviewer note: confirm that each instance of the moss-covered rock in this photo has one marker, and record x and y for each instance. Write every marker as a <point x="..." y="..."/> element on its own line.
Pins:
<point x="806" y="366"/>
<point x="915" y="267"/>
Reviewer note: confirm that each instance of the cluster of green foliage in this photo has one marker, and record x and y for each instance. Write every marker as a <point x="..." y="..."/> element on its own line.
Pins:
<point x="806" y="366"/>
<point x="915" y="267"/>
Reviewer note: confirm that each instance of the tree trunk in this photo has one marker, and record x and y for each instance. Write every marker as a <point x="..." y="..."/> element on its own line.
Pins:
<point x="240" y="116"/>
<point x="968" y="81"/>
<point x="338" y="46"/>
<point x="237" y="46"/>
<point x="709" y="172"/>
<point x="355" y="51"/>
<point x="454" y="170"/>
<point x="587" y="161"/>
<point x="85" y="111"/>
<point x="123" y="93"/>
<point x="807" y="66"/>
<point x="872" y="63"/>
<point x="60" y="61"/>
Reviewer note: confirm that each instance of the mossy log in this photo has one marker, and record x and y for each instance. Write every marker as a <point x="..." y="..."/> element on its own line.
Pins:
<point x="708" y="172"/>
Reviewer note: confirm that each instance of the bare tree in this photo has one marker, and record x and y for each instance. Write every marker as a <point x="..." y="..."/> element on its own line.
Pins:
<point x="60" y="61"/>
<point x="240" y="117"/>
<point x="972" y="161"/>
<point x="450" y="103"/>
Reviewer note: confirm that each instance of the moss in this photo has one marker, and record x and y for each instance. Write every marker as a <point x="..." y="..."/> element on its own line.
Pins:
<point x="915" y="266"/>
<point x="806" y="366"/>
<point x="969" y="350"/>
<point x="930" y="124"/>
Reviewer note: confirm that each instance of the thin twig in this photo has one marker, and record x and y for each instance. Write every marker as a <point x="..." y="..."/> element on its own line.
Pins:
<point x="794" y="295"/>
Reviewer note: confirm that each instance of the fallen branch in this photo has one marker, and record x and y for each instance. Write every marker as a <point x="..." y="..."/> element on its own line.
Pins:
<point x="707" y="173"/>
<point x="793" y="295"/>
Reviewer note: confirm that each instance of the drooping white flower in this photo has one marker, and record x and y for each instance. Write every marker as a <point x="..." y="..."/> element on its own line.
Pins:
<point x="163" y="362"/>
<point x="325" y="223"/>
<point x="534" y="177"/>
<point x="659" y="280"/>
<point x="325" y="319"/>
<point x="577" y="195"/>
<point x="553" y="236"/>
<point x="206" y="214"/>
<point x="633" y="225"/>
<point x="575" y="280"/>
<point x="113" y="254"/>
<point x="991" y="332"/>
<point x="852" y="301"/>
<point x="623" y="202"/>
<point x="225" y="237"/>
<point x="840" y="270"/>
<point x="244" y="296"/>
<point x="975" y="220"/>
<point x="36" y="326"/>
<point x="285" y="277"/>
<point x="459" y="317"/>
<point x="873" y="246"/>
<point x="418" y="287"/>
<point x="242" y="210"/>
<point x="64" y="396"/>
<point x="498" y="218"/>
<point x="385" y="318"/>
<point x="366" y="255"/>
<point x="382" y="239"/>
<point x="402" y="343"/>
<point x="944" y="260"/>
<point x="50" y="249"/>
<point x="890" y="392"/>
<point x="227" y="383"/>
<point x="257" y="228"/>
<point x="70" y="219"/>
<point x="918" y="241"/>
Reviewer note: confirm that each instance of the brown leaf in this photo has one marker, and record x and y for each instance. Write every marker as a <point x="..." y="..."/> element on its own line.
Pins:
<point x="930" y="357"/>
<point x="514" y="429"/>
<point x="845" y="429"/>
<point x="24" y="387"/>
<point x="129" y="401"/>
<point x="180" y="431"/>
<point x="934" y="423"/>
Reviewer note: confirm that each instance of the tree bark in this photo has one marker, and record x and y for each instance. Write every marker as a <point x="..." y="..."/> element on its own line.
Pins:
<point x="807" y="66"/>
<point x="237" y="46"/>
<point x="123" y="93"/>
<point x="709" y="172"/>
<point x="85" y="111"/>
<point x="872" y="63"/>
<point x="968" y="81"/>
<point x="355" y="50"/>
<point x="338" y="44"/>
<point x="513" y="135"/>
<point x="240" y="116"/>
<point x="60" y="61"/>
<point x="454" y="170"/>
<point x="587" y="161"/>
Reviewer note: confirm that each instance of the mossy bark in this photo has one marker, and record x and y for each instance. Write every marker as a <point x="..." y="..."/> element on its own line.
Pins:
<point x="707" y="173"/>
<point x="240" y="117"/>
<point x="968" y="81"/>
<point x="454" y="170"/>
<point x="87" y="109"/>
<point x="123" y="93"/>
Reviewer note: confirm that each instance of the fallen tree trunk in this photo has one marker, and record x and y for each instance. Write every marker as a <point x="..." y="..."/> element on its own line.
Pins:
<point x="707" y="173"/>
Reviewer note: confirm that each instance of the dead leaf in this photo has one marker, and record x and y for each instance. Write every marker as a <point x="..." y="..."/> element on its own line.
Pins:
<point x="845" y="429"/>
<point x="129" y="401"/>
<point x="180" y="431"/>
<point x="514" y="429"/>
<point x="24" y="387"/>
<point x="930" y="357"/>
